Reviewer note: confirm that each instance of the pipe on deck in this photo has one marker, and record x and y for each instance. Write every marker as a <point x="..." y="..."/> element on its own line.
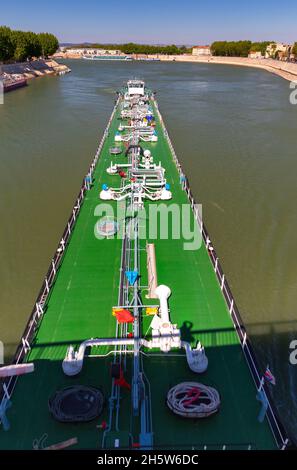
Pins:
<point x="73" y="362"/>
<point x="152" y="271"/>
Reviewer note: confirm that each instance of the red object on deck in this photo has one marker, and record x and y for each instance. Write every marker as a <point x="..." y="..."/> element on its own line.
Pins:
<point x="193" y="394"/>
<point x="130" y="335"/>
<point x="103" y="425"/>
<point x="122" y="174"/>
<point x="122" y="382"/>
<point x="124" y="316"/>
<point x="118" y="376"/>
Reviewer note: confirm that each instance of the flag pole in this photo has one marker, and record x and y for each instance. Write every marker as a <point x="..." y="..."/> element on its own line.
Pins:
<point x="262" y="381"/>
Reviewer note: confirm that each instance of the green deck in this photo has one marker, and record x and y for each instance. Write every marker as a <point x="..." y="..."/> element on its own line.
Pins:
<point x="79" y="307"/>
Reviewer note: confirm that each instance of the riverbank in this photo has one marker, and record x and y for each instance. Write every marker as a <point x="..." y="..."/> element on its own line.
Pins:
<point x="33" y="69"/>
<point x="286" y="70"/>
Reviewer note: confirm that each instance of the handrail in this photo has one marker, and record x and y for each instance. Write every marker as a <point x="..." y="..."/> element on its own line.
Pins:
<point x="273" y="419"/>
<point x="7" y="385"/>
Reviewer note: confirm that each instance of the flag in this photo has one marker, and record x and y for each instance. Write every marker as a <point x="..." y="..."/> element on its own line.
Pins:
<point x="124" y="316"/>
<point x="269" y="377"/>
<point x="131" y="276"/>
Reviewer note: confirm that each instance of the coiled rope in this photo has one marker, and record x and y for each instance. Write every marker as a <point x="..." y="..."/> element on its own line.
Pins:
<point x="193" y="400"/>
<point x="76" y="404"/>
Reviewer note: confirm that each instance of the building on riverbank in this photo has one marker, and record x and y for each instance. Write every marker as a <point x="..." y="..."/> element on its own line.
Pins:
<point x="201" y="51"/>
<point x="279" y="50"/>
<point x="255" y="55"/>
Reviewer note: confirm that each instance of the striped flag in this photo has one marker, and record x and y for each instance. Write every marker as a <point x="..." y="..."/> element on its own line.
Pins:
<point x="269" y="377"/>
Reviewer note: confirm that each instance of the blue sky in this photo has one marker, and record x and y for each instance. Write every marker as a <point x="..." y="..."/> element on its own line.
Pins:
<point x="155" y="21"/>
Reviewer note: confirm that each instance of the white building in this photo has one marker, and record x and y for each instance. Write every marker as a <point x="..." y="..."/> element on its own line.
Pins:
<point x="201" y="50"/>
<point x="278" y="49"/>
<point x="255" y="55"/>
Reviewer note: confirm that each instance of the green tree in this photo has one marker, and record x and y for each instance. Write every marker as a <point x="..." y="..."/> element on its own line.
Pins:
<point x="294" y="49"/>
<point x="219" y="48"/>
<point x="34" y="48"/>
<point x="6" y="45"/>
<point x="231" y="48"/>
<point x="260" y="46"/>
<point x="132" y="48"/>
<point x="49" y="44"/>
<point x="21" y="45"/>
<point x="26" y="45"/>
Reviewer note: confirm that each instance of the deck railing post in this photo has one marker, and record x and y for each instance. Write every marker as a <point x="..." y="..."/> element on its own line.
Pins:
<point x="26" y="345"/>
<point x="39" y="309"/>
<point x="54" y="267"/>
<point x="216" y="264"/>
<point x="6" y="393"/>
<point x="223" y="282"/>
<point x="63" y="244"/>
<point x="231" y="306"/>
<point x="285" y="444"/>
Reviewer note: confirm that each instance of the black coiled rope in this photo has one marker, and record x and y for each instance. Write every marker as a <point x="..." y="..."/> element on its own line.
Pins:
<point x="76" y="404"/>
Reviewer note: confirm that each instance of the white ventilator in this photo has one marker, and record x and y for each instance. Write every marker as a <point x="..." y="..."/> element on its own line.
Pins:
<point x="163" y="293"/>
<point x="197" y="359"/>
<point x="138" y="192"/>
<point x="164" y="333"/>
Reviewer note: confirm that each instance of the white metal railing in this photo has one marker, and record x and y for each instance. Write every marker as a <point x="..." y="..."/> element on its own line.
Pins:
<point x="274" y="422"/>
<point x="8" y="385"/>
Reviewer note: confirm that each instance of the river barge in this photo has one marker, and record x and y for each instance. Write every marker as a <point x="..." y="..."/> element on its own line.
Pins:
<point x="135" y="340"/>
<point x="107" y="57"/>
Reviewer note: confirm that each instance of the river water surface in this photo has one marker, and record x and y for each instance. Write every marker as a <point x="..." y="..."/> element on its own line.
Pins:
<point x="235" y="132"/>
